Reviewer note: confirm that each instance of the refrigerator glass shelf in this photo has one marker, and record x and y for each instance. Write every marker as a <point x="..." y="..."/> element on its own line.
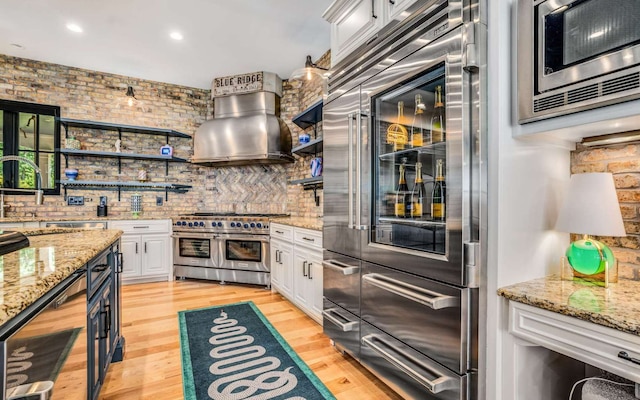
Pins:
<point x="439" y="149"/>
<point x="424" y="221"/>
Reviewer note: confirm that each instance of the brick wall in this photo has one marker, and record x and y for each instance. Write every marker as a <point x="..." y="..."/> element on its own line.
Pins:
<point x="297" y="96"/>
<point x="91" y="95"/>
<point x="623" y="161"/>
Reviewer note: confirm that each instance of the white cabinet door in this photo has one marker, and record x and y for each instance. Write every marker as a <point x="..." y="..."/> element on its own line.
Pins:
<point x="155" y="254"/>
<point x="353" y="23"/>
<point x="395" y="8"/>
<point x="275" y="267"/>
<point x="131" y="256"/>
<point x="282" y="268"/>
<point x="315" y="285"/>
<point x="300" y="280"/>
<point x="286" y="260"/>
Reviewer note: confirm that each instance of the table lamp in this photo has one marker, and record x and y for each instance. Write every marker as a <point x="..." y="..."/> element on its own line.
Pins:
<point x="591" y="208"/>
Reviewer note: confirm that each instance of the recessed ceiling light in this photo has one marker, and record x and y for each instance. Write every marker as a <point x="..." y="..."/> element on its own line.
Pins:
<point x="74" y="27"/>
<point x="175" y="35"/>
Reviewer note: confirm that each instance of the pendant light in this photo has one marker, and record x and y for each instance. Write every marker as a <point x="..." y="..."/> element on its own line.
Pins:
<point x="310" y="69"/>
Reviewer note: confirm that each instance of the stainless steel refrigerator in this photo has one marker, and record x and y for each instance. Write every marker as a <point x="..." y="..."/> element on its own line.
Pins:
<point x="402" y="265"/>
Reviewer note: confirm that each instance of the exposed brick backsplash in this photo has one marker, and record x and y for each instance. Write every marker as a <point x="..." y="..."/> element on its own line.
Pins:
<point x="623" y="161"/>
<point x="98" y="96"/>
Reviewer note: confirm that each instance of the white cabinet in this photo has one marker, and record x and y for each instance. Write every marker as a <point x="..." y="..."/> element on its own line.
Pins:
<point x="282" y="267"/>
<point x="146" y="250"/>
<point x="355" y="22"/>
<point x="296" y="267"/>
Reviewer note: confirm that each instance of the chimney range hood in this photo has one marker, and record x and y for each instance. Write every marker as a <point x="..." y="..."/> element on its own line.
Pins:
<point x="246" y="128"/>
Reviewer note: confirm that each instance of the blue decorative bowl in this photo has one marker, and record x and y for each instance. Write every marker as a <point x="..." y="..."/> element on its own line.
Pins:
<point x="71" y="173"/>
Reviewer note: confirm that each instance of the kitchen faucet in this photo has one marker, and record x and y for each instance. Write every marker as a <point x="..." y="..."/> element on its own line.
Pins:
<point x="38" y="191"/>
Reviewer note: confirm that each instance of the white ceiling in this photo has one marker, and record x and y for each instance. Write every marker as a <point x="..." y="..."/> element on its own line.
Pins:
<point x="131" y="37"/>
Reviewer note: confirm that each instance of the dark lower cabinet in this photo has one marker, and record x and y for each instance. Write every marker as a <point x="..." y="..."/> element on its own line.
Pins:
<point x="103" y="323"/>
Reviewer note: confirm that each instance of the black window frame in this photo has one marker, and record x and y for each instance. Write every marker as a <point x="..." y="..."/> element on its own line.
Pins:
<point x="10" y="132"/>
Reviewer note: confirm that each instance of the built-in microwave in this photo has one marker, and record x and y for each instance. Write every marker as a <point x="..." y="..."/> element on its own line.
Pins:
<point x="575" y="55"/>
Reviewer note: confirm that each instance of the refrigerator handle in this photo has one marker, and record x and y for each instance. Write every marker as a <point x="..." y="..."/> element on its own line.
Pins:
<point x="429" y="298"/>
<point x="340" y="267"/>
<point x="350" y="118"/>
<point x="358" y="170"/>
<point x="438" y="385"/>
<point x="345" y="327"/>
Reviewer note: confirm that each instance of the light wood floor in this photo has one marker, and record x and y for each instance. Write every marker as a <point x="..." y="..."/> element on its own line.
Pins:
<point x="151" y="368"/>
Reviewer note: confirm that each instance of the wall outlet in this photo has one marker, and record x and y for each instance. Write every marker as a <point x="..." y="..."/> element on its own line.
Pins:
<point x="159" y="200"/>
<point x="75" y="200"/>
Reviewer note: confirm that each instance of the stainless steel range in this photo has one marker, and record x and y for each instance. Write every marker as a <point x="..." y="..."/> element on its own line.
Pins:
<point x="223" y="247"/>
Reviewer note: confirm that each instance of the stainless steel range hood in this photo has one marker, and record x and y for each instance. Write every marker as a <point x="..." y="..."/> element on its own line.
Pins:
<point x="246" y="130"/>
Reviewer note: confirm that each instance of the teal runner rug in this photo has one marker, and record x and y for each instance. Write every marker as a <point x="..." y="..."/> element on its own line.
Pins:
<point x="232" y="352"/>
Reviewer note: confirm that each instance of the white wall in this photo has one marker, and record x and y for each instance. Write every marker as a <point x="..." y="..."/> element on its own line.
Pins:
<point x="526" y="180"/>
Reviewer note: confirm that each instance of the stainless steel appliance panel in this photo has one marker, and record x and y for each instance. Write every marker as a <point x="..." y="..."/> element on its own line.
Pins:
<point x="431" y="317"/>
<point x="407" y="371"/>
<point x="198" y="249"/>
<point x="342" y="124"/>
<point x="341" y="281"/>
<point x="342" y="327"/>
<point x="570" y="59"/>
<point x="223" y="275"/>
<point x="245" y="252"/>
<point x="448" y="267"/>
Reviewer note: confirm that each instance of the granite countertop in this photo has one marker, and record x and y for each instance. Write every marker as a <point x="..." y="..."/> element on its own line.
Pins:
<point x="300" y="222"/>
<point x="53" y="255"/>
<point x="617" y="307"/>
<point x="79" y="218"/>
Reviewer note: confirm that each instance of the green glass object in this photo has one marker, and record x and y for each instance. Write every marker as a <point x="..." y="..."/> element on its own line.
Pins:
<point x="584" y="257"/>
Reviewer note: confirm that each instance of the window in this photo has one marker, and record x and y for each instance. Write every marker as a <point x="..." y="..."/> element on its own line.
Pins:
<point x="30" y="131"/>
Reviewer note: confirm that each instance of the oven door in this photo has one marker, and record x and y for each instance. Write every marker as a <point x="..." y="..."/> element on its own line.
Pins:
<point x="245" y="252"/>
<point x="581" y="39"/>
<point x="195" y="249"/>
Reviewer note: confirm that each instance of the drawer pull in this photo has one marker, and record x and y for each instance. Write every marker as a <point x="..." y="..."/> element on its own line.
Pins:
<point x="280" y="232"/>
<point x="340" y="267"/>
<point x="308" y="239"/>
<point x="141" y="227"/>
<point x="420" y="295"/>
<point x="345" y="327"/>
<point x="625" y="356"/>
<point x="438" y="385"/>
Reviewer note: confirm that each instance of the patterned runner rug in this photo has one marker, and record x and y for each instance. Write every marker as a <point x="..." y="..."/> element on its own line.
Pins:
<point x="232" y="352"/>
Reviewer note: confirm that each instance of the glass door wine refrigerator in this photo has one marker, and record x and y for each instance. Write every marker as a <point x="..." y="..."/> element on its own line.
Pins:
<point x="404" y="181"/>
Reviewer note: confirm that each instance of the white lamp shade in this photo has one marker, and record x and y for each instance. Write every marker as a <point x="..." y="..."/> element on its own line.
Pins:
<point x="591" y="206"/>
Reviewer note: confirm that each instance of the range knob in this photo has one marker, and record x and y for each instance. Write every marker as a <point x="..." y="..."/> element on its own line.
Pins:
<point x="177" y="223"/>
<point x="259" y="225"/>
<point x="253" y="225"/>
<point x="190" y="224"/>
<point x="201" y="224"/>
<point x="213" y="224"/>
<point x="183" y="223"/>
<point x="233" y="224"/>
<point x="220" y="224"/>
<point x="246" y="226"/>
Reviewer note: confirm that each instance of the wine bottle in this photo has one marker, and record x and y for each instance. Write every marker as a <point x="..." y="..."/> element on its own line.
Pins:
<point x="397" y="134"/>
<point x="418" y="194"/>
<point x="437" y="119"/>
<point x="401" y="194"/>
<point x="417" y="133"/>
<point x="438" y="195"/>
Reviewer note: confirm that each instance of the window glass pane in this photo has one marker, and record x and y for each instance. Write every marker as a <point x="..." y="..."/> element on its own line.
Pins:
<point x="46" y="130"/>
<point x="47" y="164"/>
<point x="27" y="127"/>
<point x="26" y="174"/>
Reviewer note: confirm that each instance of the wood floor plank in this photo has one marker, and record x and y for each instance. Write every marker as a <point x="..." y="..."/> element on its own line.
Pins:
<point x="151" y="368"/>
